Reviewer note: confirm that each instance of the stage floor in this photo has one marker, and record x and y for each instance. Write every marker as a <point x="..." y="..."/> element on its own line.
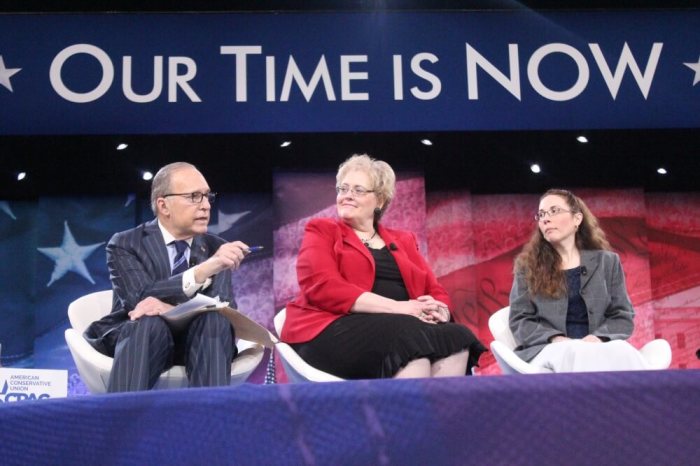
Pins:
<point x="631" y="418"/>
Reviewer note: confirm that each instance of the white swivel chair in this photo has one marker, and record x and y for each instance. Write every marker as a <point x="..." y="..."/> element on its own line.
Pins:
<point x="94" y="367"/>
<point x="295" y="367"/>
<point x="657" y="352"/>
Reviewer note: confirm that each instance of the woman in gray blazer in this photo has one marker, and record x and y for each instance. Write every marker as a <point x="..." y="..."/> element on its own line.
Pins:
<point x="569" y="307"/>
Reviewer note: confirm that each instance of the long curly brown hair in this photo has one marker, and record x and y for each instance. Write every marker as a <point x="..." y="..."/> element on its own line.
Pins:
<point x="542" y="263"/>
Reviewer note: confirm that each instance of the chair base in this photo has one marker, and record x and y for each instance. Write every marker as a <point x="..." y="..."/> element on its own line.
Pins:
<point x="298" y="370"/>
<point x="94" y="367"/>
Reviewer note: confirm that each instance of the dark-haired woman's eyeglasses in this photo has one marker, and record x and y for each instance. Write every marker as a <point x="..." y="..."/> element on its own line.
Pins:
<point x="552" y="211"/>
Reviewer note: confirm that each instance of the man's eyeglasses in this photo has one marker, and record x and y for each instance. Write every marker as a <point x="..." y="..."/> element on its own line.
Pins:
<point x="195" y="197"/>
<point x="357" y="191"/>
<point x="554" y="210"/>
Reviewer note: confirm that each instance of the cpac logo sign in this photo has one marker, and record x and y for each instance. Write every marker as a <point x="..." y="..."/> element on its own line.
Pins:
<point x="32" y="384"/>
<point x="9" y="397"/>
<point x="352" y="70"/>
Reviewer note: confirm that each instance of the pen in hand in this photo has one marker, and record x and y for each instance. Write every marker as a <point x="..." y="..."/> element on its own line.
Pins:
<point x="253" y="249"/>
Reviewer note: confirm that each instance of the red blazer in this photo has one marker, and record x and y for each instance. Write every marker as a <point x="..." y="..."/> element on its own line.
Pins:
<point x="334" y="268"/>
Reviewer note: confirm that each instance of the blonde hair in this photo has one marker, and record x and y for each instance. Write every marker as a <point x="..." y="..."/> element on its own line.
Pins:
<point x="541" y="263"/>
<point x="380" y="175"/>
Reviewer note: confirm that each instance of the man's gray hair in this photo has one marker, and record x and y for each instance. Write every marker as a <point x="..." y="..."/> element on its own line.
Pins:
<point x="161" y="182"/>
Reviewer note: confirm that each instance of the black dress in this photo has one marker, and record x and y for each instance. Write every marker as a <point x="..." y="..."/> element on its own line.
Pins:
<point x="368" y="346"/>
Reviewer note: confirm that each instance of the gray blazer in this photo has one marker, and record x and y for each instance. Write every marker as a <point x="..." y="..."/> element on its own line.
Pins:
<point x="139" y="267"/>
<point x="536" y="319"/>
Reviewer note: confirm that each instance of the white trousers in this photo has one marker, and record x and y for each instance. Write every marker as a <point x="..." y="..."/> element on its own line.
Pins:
<point x="583" y="356"/>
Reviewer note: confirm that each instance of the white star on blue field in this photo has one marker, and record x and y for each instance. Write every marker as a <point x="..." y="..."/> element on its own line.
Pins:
<point x="695" y="67"/>
<point x="6" y="74"/>
<point x="69" y="257"/>
<point x="5" y="207"/>
<point x="226" y="221"/>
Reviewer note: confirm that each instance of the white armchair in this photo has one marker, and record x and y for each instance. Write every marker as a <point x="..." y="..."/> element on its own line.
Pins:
<point x="657" y="352"/>
<point x="94" y="367"/>
<point x="295" y="367"/>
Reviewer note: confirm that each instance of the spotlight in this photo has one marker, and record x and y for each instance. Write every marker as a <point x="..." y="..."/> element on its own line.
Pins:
<point x="122" y="146"/>
<point x="661" y="171"/>
<point x="534" y="168"/>
<point x="286" y="144"/>
<point x="147" y="176"/>
<point x="21" y="176"/>
<point x="582" y="139"/>
<point x="426" y="142"/>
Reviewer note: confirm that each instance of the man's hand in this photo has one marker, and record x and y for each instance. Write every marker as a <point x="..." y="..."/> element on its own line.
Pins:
<point x="592" y="339"/>
<point x="149" y="307"/>
<point x="228" y="256"/>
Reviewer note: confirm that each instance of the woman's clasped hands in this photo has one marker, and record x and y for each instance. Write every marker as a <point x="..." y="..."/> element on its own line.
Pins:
<point x="428" y="309"/>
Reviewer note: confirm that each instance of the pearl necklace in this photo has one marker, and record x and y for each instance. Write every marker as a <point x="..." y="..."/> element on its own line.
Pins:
<point x="366" y="241"/>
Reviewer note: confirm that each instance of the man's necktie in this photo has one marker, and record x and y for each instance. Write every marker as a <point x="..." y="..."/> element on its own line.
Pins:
<point x="180" y="262"/>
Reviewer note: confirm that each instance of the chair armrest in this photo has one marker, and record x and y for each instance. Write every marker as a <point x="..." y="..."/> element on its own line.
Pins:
<point x="248" y="358"/>
<point x="93" y="366"/>
<point x="510" y="363"/>
<point x="657" y="354"/>
<point x="300" y="370"/>
<point x="81" y="349"/>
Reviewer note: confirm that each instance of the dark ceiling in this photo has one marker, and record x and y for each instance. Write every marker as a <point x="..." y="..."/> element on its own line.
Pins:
<point x="482" y="162"/>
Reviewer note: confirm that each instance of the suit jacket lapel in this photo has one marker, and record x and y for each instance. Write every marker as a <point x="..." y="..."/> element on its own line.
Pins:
<point x="351" y="239"/>
<point x="199" y="252"/>
<point x="591" y="261"/>
<point x="155" y="247"/>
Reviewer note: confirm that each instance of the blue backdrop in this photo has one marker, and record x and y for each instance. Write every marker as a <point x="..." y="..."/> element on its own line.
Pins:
<point x="53" y="252"/>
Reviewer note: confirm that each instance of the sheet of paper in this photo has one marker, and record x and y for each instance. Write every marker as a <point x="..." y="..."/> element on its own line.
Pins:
<point x="248" y="329"/>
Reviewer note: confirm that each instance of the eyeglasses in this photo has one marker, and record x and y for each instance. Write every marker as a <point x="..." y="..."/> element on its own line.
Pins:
<point x="195" y="197"/>
<point x="357" y="191"/>
<point x="554" y="210"/>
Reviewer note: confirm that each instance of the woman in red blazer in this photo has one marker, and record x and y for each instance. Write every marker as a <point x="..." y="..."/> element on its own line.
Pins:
<point x="369" y="305"/>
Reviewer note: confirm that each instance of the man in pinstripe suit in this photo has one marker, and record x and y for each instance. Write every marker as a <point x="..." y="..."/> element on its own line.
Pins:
<point x="160" y="264"/>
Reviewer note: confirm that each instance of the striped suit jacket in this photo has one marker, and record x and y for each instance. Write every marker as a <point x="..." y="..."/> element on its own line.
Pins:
<point x="139" y="267"/>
